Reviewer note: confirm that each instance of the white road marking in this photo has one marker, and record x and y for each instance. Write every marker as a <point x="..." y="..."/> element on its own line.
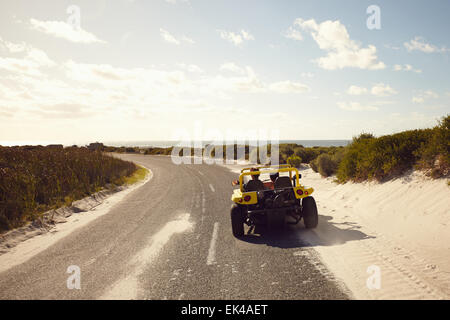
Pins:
<point x="212" y="188"/>
<point x="212" y="247"/>
<point x="203" y="203"/>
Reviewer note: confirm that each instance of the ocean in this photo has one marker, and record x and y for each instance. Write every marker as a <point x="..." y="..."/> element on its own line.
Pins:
<point x="168" y="143"/>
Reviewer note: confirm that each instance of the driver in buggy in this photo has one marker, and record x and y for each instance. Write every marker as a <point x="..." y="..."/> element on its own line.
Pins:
<point x="255" y="184"/>
<point x="254" y="180"/>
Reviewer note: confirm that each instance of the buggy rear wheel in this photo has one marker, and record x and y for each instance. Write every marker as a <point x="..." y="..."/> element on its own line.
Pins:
<point x="309" y="212"/>
<point x="237" y="221"/>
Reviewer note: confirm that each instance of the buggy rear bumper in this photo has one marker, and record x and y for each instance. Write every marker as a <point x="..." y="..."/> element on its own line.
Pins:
<point x="262" y="216"/>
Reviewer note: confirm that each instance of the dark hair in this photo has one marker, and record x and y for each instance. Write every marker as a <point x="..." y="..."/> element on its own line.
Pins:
<point x="254" y="176"/>
<point x="274" y="176"/>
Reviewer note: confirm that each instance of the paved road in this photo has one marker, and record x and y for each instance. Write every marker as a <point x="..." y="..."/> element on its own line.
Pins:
<point x="171" y="239"/>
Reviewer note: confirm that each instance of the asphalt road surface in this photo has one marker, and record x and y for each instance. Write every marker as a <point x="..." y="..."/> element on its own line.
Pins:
<point x="171" y="239"/>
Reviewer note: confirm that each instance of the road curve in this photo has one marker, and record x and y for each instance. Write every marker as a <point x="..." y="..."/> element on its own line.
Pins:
<point x="171" y="239"/>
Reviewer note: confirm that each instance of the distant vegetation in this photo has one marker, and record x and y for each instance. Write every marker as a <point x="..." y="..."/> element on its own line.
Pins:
<point x="294" y="161"/>
<point x="367" y="157"/>
<point x="148" y="151"/>
<point x="36" y="179"/>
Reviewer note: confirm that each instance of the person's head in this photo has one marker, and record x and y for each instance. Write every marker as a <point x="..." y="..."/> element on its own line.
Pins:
<point x="274" y="176"/>
<point x="255" y="176"/>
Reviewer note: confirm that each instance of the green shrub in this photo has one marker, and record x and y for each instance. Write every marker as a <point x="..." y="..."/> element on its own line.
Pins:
<point x="326" y="165"/>
<point x="313" y="165"/>
<point x="294" y="161"/>
<point x="306" y="154"/>
<point x="388" y="156"/>
<point x="435" y="153"/>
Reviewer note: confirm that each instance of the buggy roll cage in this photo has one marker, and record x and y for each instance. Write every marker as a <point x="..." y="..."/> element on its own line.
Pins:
<point x="272" y="169"/>
<point x="266" y="167"/>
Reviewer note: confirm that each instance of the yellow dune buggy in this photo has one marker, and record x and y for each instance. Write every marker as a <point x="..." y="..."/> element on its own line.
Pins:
<point x="271" y="202"/>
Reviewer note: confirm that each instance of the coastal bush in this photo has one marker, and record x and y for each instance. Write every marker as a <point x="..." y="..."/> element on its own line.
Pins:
<point x="326" y="165"/>
<point x="294" y="161"/>
<point x="328" y="162"/>
<point x="435" y="154"/>
<point x="36" y="179"/>
<point x="306" y="154"/>
<point x="388" y="156"/>
<point x="313" y="165"/>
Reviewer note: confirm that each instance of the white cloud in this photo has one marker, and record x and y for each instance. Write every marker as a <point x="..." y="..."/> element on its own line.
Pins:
<point x="293" y="33"/>
<point x="419" y="44"/>
<point x="187" y="40"/>
<point x="356" y="91"/>
<point x="232" y="67"/>
<point x="356" y="106"/>
<point x="13" y="47"/>
<point x="112" y="99"/>
<point x="153" y="84"/>
<point x="30" y="61"/>
<point x="64" y="111"/>
<point x="289" y="87"/>
<point x="61" y="29"/>
<point x="382" y="90"/>
<point x="383" y="103"/>
<point x="175" y="1"/>
<point x="391" y="47"/>
<point x="236" y="38"/>
<point x="6" y="112"/>
<point x="191" y="68"/>
<point x="431" y="94"/>
<point x="332" y="37"/>
<point x="246" y="35"/>
<point x="424" y="95"/>
<point x="418" y="99"/>
<point x="46" y="98"/>
<point x="168" y="37"/>
<point x="250" y="83"/>
<point x="406" y="67"/>
<point x="307" y="74"/>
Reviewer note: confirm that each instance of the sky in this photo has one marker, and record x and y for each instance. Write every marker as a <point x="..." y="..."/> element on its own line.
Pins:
<point x="97" y="70"/>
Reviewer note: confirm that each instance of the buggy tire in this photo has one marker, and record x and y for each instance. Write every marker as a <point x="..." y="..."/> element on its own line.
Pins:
<point x="237" y="221"/>
<point x="309" y="212"/>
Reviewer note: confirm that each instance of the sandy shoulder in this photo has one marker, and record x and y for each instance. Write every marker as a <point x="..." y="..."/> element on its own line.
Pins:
<point x="401" y="226"/>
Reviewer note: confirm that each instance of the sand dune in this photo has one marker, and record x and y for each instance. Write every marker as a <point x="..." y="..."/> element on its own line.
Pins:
<point x="401" y="226"/>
